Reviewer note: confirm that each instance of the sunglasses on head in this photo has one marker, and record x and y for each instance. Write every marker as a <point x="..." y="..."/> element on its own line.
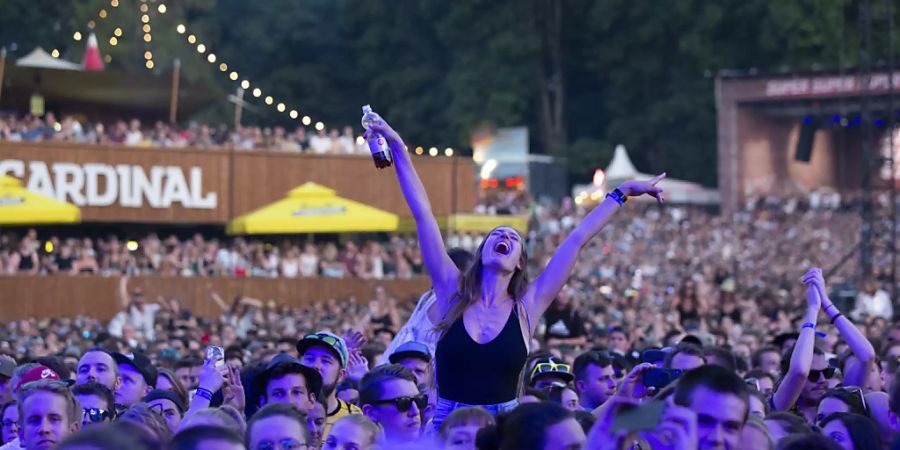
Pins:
<point x="828" y="373"/>
<point x="284" y="444"/>
<point x="550" y="367"/>
<point x="403" y="404"/>
<point x="96" y="415"/>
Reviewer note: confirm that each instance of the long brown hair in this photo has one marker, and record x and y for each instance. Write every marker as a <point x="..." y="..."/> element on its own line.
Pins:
<point x="469" y="290"/>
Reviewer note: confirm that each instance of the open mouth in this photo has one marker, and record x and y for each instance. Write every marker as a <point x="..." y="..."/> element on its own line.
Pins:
<point x="502" y="248"/>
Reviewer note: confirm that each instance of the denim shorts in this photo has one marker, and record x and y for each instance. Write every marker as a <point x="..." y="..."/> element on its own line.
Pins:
<point x="444" y="407"/>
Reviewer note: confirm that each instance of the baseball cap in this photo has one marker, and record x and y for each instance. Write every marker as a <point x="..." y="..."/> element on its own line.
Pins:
<point x="548" y="367"/>
<point x="328" y="340"/>
<point x="7" y="366"/>
<point x="312" y="376"/>
<point x="41" y="373"/>
<point x="140" y="363"/>
<point x="411" y="349"/>
<point x="158" y="394"/>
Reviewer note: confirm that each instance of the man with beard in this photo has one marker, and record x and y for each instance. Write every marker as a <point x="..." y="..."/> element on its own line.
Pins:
<point x="98" y="366"/>
<point x="328" y="354"/>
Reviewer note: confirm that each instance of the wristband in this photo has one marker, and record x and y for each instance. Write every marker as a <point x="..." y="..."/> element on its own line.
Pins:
<point x="205" y="393"/>
<point x="830" y="306"/>
<point x="812" y="326"/>
<point x="833" y="319"/>
<point x="617" y="196"/>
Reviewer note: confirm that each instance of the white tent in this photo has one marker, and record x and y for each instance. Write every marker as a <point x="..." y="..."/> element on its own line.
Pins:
<point x="621" y="169"/>
<point x="39" y="59"/>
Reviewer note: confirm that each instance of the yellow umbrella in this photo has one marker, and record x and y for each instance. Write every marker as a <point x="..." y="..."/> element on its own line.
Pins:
<point x="19" y="206"/>
<point x="313" y="208"/>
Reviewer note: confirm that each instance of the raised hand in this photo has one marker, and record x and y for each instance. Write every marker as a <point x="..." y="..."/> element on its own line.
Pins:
<point x="815" y="285"/>
<point x="212" y="378"/>
<point x="354" y="339"/>
<point x="383" y="128"/>
<point x="357" y="366"/>
<point x="638" y="188"/>
<point x="233" y="392"/>
<point x="633" y="384"/>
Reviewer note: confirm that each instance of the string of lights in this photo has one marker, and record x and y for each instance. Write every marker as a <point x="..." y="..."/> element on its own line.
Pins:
<point x="244" y="83"/>
<point x="146" y="10"/>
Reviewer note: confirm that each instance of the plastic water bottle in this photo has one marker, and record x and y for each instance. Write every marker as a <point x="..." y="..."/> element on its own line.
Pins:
<point x="381" y="153"/>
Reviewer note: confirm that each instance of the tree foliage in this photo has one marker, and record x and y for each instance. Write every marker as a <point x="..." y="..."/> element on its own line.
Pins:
<point x="583" y="75"/>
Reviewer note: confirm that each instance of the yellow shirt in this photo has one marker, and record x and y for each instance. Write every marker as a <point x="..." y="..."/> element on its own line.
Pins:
<point x="343" y="409"/>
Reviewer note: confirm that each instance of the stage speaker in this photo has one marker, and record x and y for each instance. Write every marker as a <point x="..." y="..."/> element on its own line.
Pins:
<point x="803" y="152"/>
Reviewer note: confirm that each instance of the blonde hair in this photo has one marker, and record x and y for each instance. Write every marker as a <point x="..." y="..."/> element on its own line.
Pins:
<point x="141" y="413"/>
<point x="371" y="428"/>
<point x="465" y="416"/>
<point x="73" y="406"/>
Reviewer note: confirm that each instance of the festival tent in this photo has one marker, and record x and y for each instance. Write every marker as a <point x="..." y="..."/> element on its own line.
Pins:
<point x="621" y="169"/>
<point x="67" y="88"/>
<point x="40" y="59"/>
<point x="19" y="206"/>
<point x="312" y="208"/>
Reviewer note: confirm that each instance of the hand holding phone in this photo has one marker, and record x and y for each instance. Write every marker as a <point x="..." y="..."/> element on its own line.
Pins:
<point x="660" y="378"/>
<point x="216" y="354"/>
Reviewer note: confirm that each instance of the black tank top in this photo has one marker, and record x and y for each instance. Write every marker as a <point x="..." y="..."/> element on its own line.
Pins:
<point x="25" y="262"/>
<point x="480" y="374"/>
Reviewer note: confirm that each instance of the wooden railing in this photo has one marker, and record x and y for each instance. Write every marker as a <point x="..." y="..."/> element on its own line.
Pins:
<point x="22" y="297"/>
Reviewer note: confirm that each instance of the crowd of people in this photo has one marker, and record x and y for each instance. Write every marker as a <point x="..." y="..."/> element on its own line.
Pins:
<point x="628" y="325"/>
<point x="133" y="133"/>
<point x="33" y="254"/>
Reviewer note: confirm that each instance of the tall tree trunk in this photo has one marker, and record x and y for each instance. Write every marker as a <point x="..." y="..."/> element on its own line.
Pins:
<point x="552" y="77"/>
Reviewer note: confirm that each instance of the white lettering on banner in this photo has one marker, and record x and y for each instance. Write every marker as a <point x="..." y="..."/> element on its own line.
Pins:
<point x="12" y="167"/>
<point x="66" y="187"/>
<point x="93" y="172"/>
<point x="129" y="185"/>
<point x="210" y="200"/>
<point x="828" y="85"/>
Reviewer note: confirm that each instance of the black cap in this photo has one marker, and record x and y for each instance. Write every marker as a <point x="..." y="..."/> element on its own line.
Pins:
<point x="157" y="394"/>
<point x="140" y="363"/>
<point x="312" y="376"/>
<point x="411" y="349"/>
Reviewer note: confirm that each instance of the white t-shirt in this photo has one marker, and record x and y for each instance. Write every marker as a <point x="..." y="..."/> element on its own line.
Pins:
<point x="144" y="320"/>
<point x="418" y="328"/>
<point x="12" y="445"/>
<point x="309" y="265"/>
<point x="133" y="138"/>
<point x="320" y="144"/>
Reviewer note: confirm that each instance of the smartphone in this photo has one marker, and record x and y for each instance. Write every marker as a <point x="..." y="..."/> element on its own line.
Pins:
<point x="654" y="356"/>
<point x="216" y="354"/>
<point x="645" y="417"/>
<point x="660" y="378"/>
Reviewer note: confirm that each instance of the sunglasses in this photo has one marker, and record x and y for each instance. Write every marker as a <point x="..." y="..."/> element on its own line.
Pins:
<point x="550" y="367"/>
<point x="858" y="392"/>
<point x="284" y="444"/>
<point x="96" y="415"/>
<point x="828" y="373"/>
<point x="403" y="404"/>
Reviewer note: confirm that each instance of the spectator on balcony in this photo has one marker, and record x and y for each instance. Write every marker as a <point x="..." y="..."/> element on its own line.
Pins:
<point x="320" y="143"/>
<point x="309" y="261"/>
<point x="133" y="135"/>
<point x="347" y="141"/>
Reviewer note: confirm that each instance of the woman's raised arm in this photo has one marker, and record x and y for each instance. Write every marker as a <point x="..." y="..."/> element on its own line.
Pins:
<point x="441" y="270"/>
<point x="544" y="289"/>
